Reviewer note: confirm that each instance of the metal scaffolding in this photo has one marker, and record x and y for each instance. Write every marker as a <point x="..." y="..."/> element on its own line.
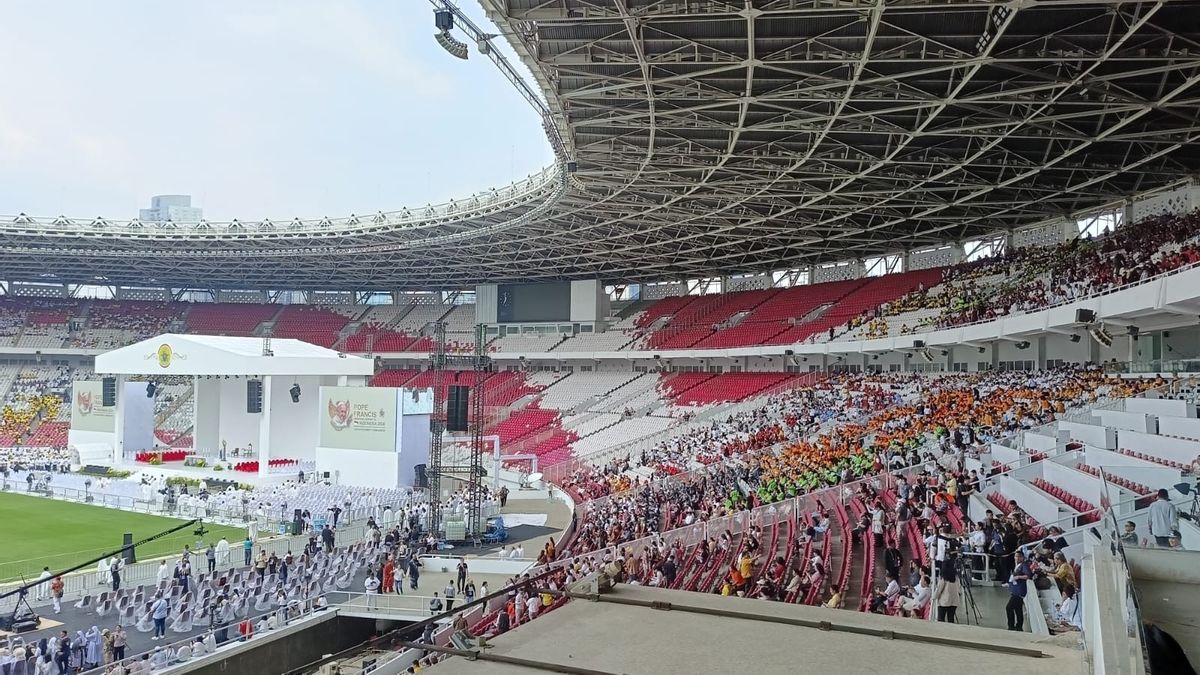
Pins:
<point x="447" y="370"/>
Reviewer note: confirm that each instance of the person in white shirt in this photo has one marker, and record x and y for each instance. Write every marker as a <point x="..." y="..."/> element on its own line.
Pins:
<point x="532" y="605"/>
<point x="1164" y="518"/>
<point x="371" y="584"/>
<point x="43" y="588"/>
<point x="918" y="597"/>
<point x="164" y="572"/>
<point x="1068" y="614"/>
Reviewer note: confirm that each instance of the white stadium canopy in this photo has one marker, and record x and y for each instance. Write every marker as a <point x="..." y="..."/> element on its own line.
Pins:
<point x="199" y="355"/>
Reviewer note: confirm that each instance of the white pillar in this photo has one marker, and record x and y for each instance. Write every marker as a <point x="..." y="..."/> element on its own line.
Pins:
<point x="206" y="414"/>
<point x="264" y="428"/>
<point x="119" y="422"/>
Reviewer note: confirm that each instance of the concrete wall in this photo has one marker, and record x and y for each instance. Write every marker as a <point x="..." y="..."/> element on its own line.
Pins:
<point x="287" y="650"/>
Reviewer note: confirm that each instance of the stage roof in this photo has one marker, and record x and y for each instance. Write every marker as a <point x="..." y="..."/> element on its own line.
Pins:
<point x="174" y="354"/>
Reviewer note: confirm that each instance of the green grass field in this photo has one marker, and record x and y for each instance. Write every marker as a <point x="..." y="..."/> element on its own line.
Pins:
<point x="38" y="532"/>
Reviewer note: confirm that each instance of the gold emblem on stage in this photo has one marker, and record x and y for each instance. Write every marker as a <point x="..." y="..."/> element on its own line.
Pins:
<point x="165" y="354"/>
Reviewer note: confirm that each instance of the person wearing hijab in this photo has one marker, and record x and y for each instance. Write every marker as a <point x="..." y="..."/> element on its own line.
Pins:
<point x="93" y="655"/>
<point x="44" y="665"/>
<point x="78" y="648"/>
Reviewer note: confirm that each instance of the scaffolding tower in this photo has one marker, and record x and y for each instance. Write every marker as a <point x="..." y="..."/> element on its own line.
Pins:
<point x="447" y="370"/>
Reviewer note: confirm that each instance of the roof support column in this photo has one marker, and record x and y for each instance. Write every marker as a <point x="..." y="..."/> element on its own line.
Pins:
<point x="264" y="429"/>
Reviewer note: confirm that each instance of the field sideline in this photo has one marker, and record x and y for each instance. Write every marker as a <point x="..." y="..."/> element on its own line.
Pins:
<point x="44" y="532"/>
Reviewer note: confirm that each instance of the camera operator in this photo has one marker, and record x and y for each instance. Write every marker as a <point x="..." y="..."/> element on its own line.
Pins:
<point x="943" y="543"/>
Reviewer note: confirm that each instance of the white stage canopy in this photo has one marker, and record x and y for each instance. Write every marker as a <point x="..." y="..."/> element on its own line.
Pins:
<point x="174" y="354"/>
<point x="221" y="369"/>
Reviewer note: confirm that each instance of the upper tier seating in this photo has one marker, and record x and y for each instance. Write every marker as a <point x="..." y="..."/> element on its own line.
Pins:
<point x="610" y="340"/>
<point x="1028" y="279"/>
<point x="315" y="325"/>
<point x="228" y="318"/>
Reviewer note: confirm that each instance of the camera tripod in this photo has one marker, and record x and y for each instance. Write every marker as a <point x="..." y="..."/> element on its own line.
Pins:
<point x="967" y="581"/>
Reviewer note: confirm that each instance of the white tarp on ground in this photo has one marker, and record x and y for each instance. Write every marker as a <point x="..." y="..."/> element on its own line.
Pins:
<point x="515" y="519"/>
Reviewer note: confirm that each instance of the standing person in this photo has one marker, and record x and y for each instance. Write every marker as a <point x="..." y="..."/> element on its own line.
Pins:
<point x="120" y="640"/>
<point x="223" y="552"/>
<point x="164" y="572"/>
<point x="63" y="657"/>
<point x="211" y="555"/>
<point x="389" y="580"/>
<point x="462" y="573"/>
<point x="327" y="538"/>
<point x="260" y="565"/>
<point x="469" y="592"/>
<point x="371" y="584"/>
<point x="185" y="575"/>
<point x="56" y="593"/>
<point x="43" y="588"/>
<point x="449" y="592"/>
<point x="1015" y="609"/>
<point x="945" y="596"/>
<point x="503" y="496"/>
<point x="159" y="611"/>
<point x="247" y="550"/>
<point x="92" y="655"/>
<point x="414" y="572"/>
<point x="115" y="570"/>
<point x="102" y="572"/>
<point x="1164" y="518"/>
<point x="435" y="605"/>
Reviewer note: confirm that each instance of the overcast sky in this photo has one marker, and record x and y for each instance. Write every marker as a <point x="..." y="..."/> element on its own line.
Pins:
<point x="275" y="108"/>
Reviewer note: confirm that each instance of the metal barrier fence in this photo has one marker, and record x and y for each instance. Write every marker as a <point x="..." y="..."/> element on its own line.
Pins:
<point x="79" y="584"/>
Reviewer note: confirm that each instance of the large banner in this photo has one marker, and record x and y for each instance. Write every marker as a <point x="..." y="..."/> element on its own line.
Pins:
<point x="359" y="418"/>
<point x="86" y="412"/>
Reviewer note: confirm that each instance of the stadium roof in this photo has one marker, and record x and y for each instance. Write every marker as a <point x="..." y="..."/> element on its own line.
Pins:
<point x="723" y="137"/>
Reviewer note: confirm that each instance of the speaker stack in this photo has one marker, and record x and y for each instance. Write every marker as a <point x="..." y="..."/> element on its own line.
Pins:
<point x="456" y="407"/>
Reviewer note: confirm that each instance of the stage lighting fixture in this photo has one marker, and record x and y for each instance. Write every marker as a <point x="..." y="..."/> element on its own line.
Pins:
<point x="1134" y="332"/>
<point x="150" y="389"/>
<point x="1074" y="337"/>
<point x="454" y="47"/>
<point x="295" y="393"/>
<point x="982" y="350"/>
<point x="1023" y="344"/>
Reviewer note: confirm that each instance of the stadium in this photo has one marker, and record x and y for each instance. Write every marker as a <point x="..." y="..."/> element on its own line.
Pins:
<point x="861" y="335"/>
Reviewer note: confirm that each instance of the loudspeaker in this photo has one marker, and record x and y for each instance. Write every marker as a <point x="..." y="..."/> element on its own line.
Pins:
<point x="108" y="392"/>
<point x="419" y="477"/>
<point x="294" y="392"/>
<point x="254" y="396"/>
<point x="127" y="553"/>
<point x="918" y="344"/>
<point x="1085" y="316"/>
<point x="443" y="20"/>
<point x="572" y="167"/>
<point x="456" y="407"/>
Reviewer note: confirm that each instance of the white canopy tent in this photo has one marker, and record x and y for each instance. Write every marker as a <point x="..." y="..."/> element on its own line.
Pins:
<point x="220" y="368"/>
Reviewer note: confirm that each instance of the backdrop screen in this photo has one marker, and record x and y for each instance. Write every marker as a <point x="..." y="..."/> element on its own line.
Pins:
<point x="358" y="418"/>
<point x="86" y="412"/>
<point x="516" y="303"/>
